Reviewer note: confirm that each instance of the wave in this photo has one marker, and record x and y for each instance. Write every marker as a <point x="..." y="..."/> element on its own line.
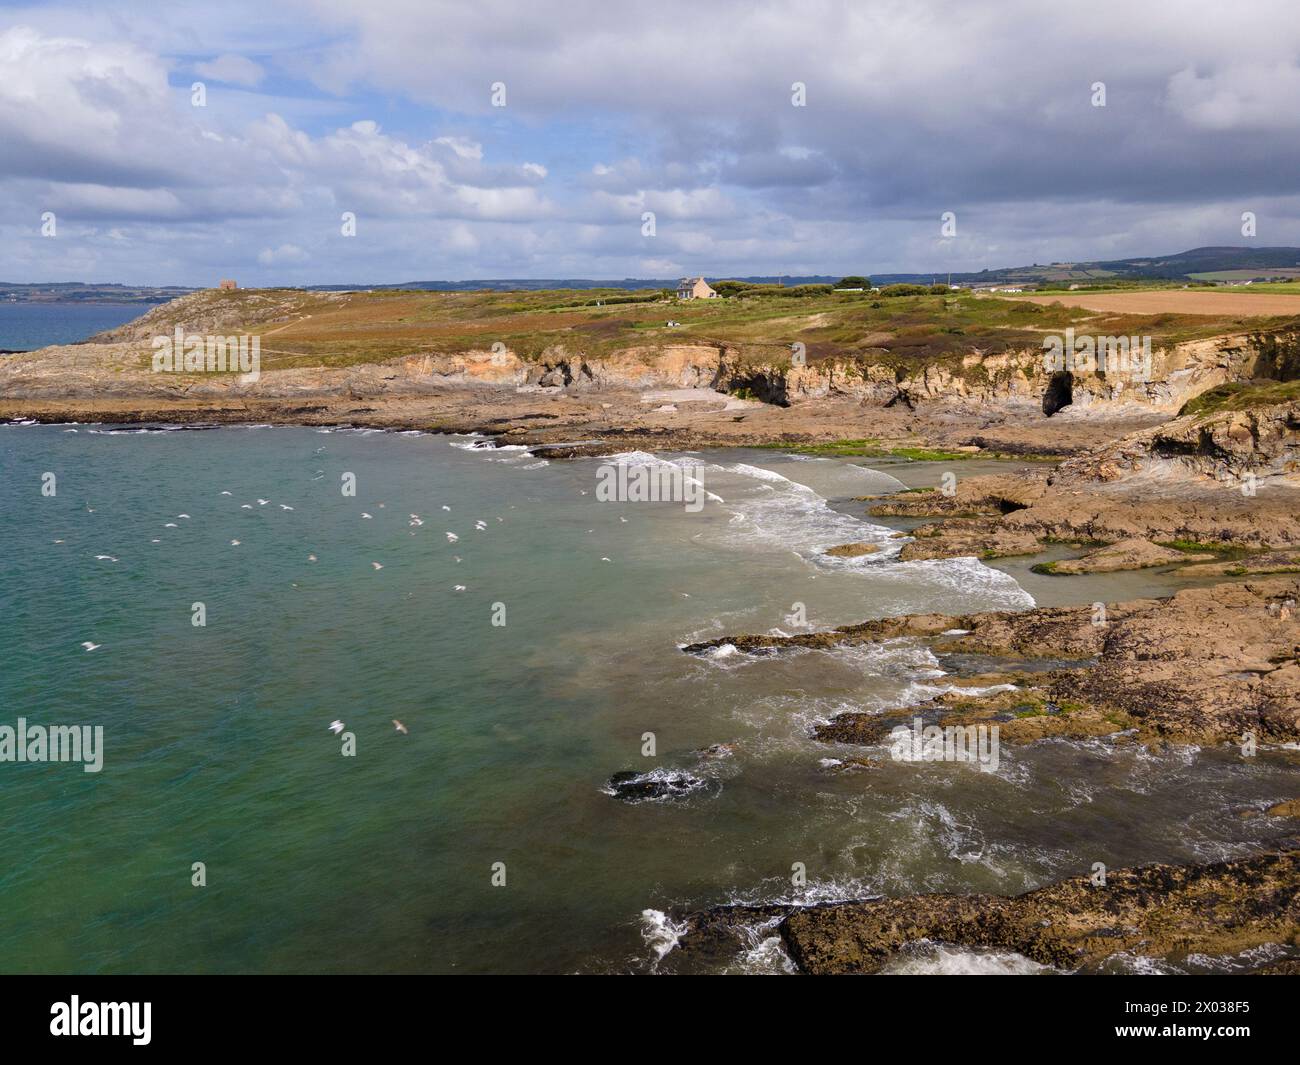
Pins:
<point x="661" y="933"/>
<point x="927" y="958"/>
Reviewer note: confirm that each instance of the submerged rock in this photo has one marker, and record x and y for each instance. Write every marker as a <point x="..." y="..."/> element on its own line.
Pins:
<point x="852" y="550"/>
<point x="654" y="786"/>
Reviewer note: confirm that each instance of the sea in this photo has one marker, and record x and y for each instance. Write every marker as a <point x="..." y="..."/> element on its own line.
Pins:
<point x="363" y="693"/>
<point x="28" y="326"/>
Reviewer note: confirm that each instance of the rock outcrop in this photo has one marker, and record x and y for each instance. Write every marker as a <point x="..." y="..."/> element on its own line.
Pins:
<point x="1132" y="553"/>
<point x="1155" y="911"/>
<point x="1207" y="665"/>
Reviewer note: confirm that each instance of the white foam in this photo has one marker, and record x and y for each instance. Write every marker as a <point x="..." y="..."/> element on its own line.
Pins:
<point x="661" y="933"/>
<point x="925" y="958"/>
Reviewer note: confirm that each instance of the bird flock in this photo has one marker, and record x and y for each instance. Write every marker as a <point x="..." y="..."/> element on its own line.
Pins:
<point x="415" y="522"/>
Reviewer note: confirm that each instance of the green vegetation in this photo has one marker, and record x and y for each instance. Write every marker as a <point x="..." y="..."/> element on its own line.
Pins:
<point x="1242" y="395"/>
<point x="871" y="448"/>
<point x="1198" y="547"/>
<point x="911" y="328"/>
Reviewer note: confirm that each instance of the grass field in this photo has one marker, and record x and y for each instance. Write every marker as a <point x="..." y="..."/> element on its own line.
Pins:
<point x="327" y="329"/>
<point x="1256" y="302"/>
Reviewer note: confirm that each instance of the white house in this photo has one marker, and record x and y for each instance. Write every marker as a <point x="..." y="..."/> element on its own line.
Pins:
<point x="695" y="288"/>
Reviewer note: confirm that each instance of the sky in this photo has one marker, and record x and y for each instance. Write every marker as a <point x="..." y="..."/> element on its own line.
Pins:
<point x="381" y="141"/>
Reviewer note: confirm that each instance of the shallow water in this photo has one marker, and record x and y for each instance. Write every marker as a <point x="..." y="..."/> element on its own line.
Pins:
<point x="218" y="750"/>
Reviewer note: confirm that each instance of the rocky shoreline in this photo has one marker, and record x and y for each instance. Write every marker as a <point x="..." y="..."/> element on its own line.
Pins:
<point x="1133" y="485"/>
<point x="1074" y="925"/>
<point x="1207" y="665"/>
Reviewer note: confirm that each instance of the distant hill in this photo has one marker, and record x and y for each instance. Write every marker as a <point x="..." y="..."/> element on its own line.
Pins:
<point x="1198" y="264"/>
<point x="538" y="284"/>
<point x="1181" y="266"/>
<point x="1241" y="263"/>
<point x="86" y="292"/>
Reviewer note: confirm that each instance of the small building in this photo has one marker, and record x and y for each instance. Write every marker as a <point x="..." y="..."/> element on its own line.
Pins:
<point x="227" y="284"/>
<point x="695" y="288"/>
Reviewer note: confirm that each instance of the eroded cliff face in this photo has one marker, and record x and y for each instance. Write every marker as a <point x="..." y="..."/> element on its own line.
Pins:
<point x="1177" y="374"/>
<point x="121" y="367"/>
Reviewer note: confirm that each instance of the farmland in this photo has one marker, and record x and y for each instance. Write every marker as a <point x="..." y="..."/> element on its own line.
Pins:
<point x="309" y="329"/>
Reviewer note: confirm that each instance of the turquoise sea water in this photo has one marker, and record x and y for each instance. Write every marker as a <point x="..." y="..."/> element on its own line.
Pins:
<point x="218" y="747"/>
<point x="28" y="326"/>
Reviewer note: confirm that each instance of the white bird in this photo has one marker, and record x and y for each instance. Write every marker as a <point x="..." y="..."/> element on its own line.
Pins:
<point x="399" y="727"/>
<point x="336" y="726"/>
<point x="284" y="507"/>
<point x="621" y="518"/>
<point x="603" y="559"/>
<point x="452" y="538"/>
<point x="155" y="541"/>
<point x="225" y="493"/>
<point x="377" y="565"/>
<point x="246" y="506"/>
<point x="234" y="543"/>
<point x="182" y="515"/>
<point x="365" y="515"/>
<point x="262" y="502"/>
<point x="171" y="525"/>
<point x="58" y="541"/>
<point x="415" y="522"/>
<point x="458" y="588"/>
<point x="311" y="558"/>
<point x="92" y="646"/>
<point x="412" y="515"/>
<point x="457" y="558"/>
<point x="445" y="507"/>
<point x="103" y="558"/>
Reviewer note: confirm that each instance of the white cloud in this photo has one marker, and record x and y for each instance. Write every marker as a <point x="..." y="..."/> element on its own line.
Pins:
<point x="462" y="146"/>
<point x="914" y="108"/>
<point x="234" y="69"/>
<point x="285" y="253"/>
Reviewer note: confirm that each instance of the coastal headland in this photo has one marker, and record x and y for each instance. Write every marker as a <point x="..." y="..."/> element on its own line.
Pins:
<point x="1190" y="462"/>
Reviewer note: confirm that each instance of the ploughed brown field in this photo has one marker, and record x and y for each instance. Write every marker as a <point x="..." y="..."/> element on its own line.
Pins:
<point x="1179" y="301"/>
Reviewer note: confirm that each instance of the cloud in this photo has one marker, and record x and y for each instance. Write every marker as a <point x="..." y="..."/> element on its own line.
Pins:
<point x="384" y="109"/>
<point x="285" y="253"/>
<point x="1255" y="98"/>
<point x="234" y="69"/>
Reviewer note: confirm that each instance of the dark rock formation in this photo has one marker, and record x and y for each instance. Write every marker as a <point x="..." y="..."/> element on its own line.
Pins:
<point x="1159" y="911"/>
